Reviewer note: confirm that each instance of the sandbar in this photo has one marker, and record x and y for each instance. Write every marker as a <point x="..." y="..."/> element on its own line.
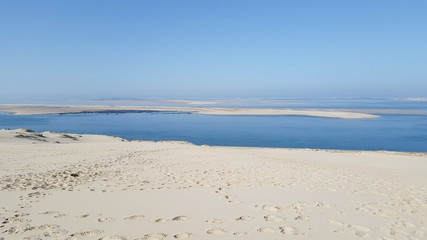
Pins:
<point x="28" y="109"/>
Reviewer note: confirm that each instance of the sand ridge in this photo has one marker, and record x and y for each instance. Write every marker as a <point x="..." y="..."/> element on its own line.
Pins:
<point x="101" y="187"/>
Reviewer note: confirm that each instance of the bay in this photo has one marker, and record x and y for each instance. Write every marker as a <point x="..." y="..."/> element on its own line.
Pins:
<point x="392" y="132"/>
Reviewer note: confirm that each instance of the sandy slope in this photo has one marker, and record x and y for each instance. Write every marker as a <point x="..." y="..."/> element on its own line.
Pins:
<point x="56" y="186"/>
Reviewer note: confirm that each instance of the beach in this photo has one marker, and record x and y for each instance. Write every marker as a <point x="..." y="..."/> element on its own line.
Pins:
<point x="80" y="186"/>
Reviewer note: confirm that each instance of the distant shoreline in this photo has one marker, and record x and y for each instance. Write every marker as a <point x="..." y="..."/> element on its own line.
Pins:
<point x="123" y="112"/>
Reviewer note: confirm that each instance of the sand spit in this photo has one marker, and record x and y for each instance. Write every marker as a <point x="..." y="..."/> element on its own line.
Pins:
<point x="414" y="99"/>
<point x="66" y="109"/>
<point x="71" y="186"/>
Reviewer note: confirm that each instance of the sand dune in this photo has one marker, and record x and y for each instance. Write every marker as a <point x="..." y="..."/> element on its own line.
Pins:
<point x="71" y="186"/>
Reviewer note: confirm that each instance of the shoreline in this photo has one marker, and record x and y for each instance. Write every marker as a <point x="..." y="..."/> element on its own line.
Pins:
<point x="332" y="150"/>
<point x="230" y="146"/>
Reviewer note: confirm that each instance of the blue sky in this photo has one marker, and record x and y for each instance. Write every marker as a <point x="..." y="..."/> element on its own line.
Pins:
<point x="216" y="48"/>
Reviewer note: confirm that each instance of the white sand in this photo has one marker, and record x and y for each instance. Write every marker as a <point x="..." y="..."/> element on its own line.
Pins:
<point x="27" y="109"/>
<point x="56" y="186"/>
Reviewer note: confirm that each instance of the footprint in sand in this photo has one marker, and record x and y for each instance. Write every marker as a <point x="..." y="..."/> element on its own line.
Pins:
<point x="301" y="217"/>
<point x="160" y="220"/>
<point x="179" y="218"/>
<point x="336" y="223"/>
<point x="408" y="224"/>
<point x="44" y="227"/>
<point x="134" y="217"/>
<point x="289" y="230"/>
<point x="239" y="234"/>
<point x="267" y="208"/>
<point x="87" y="233"/>
<point x="244" y="218"/>
<point x="361" y="231"/>
<point x="86" y="215"/>
<point x="107" y="219"/>
<point x="153" y="236"/>
<point x="58" y="233"/>
<point x="113" y="238"/>
<point x="397" y="232"/>
<point x="361" y="234"/>
<point x="183" y="235"/>
<point x="49" y="213"/>
<point x="359" y="228"/>
<point x="283" y="209"/>
<point x="266" y="230"/>
<point x="271" y="218"/>
<point x="216" y="231"/>
<point x="214" y="220"/>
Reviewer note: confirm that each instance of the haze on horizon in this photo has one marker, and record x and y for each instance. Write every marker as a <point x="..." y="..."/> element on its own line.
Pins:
<point x="221" y="48"/>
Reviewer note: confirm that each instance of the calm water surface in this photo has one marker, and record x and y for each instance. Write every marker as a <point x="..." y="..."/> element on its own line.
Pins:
<point x="389" y="132"/>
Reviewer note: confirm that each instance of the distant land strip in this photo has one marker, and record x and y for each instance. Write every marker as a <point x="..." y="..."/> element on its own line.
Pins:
<point x="32" y="109"/>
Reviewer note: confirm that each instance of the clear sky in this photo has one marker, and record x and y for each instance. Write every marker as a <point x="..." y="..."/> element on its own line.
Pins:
<point x="213" y="48"/>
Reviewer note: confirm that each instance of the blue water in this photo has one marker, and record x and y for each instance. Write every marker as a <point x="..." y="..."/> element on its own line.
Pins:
<point x="391" y="132"/>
